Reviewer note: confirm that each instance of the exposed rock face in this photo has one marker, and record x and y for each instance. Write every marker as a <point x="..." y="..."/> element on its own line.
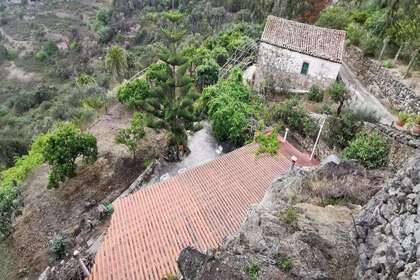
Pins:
<point x="382" y="82"/>
<point x="389" y="229"/>
<point x="290" y="234"/>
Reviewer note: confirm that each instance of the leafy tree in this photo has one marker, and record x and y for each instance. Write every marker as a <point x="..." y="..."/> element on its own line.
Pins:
<point x="315" y="94"/>
<point x="403" y="32"/>
<point x="116" y="62"/>
<point x="207" y="74"/>
<point x="337" y="92"/>
<point x="166" y="96"/>
<point x="64" y="145"/>
<point x="130" y="136"/>
<point x="229" y="110"/>
<point x="136" y="93"/>
<point x="293" y="115"/>
<point x="371" y="149"/>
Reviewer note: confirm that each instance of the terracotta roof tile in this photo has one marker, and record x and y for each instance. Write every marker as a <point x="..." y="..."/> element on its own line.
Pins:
<point x="305" y="38"/>
<point x="199" y="208"/>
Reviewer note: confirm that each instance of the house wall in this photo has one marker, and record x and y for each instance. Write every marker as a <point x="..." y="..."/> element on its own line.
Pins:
<point x="281" y="64"/>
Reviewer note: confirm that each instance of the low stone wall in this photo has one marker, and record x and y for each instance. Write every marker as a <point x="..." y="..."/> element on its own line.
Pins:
<point x="382" y="82"/>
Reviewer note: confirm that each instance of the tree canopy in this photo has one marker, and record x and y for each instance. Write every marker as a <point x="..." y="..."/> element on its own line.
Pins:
<point x="63" y="146"/>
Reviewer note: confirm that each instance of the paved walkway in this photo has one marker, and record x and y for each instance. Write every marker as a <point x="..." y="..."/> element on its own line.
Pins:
<point x="199" y="208"/>
<point x="361" y="99"/>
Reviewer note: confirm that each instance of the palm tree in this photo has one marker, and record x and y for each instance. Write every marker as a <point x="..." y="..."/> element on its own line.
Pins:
<point x="116" y="62"/>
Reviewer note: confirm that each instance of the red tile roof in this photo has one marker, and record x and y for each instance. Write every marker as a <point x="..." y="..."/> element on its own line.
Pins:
<point x="305" y="38"/>
<point x="199" y="208"/>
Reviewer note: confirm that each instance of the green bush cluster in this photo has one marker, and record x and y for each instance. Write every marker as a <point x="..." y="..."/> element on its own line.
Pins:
<point x="315" y="94"/>
<point x="229" y="109"/>
<point x="285" y="263"/>
<point x="268" y="143"/>
<point x="253" y="271"/>
<point x="341" y="130"/>
<point x="102" y="25"/>
<point x="295" y="117"/>
<point x="57" y="246"/>
<point x="134" y="93"/>
<point x="371" y="149"/>
<point x="131" y="135"/>
<point x="12" y="177"/>
<point x="365" y="26"/>
<point x="49" y="49"/>
<point x="207" y="74"/>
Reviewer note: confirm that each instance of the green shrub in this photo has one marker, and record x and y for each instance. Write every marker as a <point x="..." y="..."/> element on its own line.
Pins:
<point x="371" y="149"/>
<point x="253" y="270"/>
<point x="366" y="115"/>
<point x="41" y="55"/>
<point x="290" y="217"/>
<point x="12" y="177"/>
<point x="377" y="23"/>
<point x="355" y="33"/>
<point x="388" y="64"/>
<point x="335" y="17"/>
<point x="50" y="48"/>
<point x="315" y="94"/>
<point x="230" y="119"/>
<point x="293" y="115"/>
<point x="63" y="146"/>
<point x="342" y="130"/>
<point x="370" y="44"/>
<point x="103" y="16"/>
<point x="207" y="74"/>
<point x="109" y="209"/>
<point x="229" y="110"/>
<point x="403" y="117"/>
<point x="285" y="264"/>
<point x="134" y="93"/>
<point x="58" y="246"/>
<point x="220" y="55"/>
<point x="268" y="143"/>
<point x="105" y="34"/>
<point x="131" y="136"/>
<point x="337" y="92"/>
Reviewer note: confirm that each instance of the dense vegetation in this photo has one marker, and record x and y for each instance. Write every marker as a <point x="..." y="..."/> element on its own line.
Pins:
<point x="371" y="149"/>
<point x="380" y="28"/>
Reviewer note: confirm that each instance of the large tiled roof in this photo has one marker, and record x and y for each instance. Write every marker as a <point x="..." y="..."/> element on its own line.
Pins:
<point x="304" y="38"/>
<point x="199" y="208"/>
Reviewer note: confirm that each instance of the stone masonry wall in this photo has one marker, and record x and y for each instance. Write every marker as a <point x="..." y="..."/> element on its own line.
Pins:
<point x="382" y="82"/>
<point x="388" y="229"/>
<point x="284" y="65"/>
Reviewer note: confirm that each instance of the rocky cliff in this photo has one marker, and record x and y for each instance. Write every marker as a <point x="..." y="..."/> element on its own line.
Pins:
<point x="303" y="229"/>
<point x="388" y="229"/>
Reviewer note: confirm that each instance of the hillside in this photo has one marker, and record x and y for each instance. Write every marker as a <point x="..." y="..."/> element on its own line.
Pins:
<point x="105" y="103"/>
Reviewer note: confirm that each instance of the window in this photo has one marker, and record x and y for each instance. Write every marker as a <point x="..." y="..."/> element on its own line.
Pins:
<point x="305" y="68"/>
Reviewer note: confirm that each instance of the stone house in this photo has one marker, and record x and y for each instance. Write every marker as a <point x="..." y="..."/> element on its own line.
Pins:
<point x="299" y="55"/>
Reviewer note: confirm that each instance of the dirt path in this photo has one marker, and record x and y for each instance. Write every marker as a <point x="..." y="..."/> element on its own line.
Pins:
<point x="202" y="145"/>
<point x="72" y="209"/>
